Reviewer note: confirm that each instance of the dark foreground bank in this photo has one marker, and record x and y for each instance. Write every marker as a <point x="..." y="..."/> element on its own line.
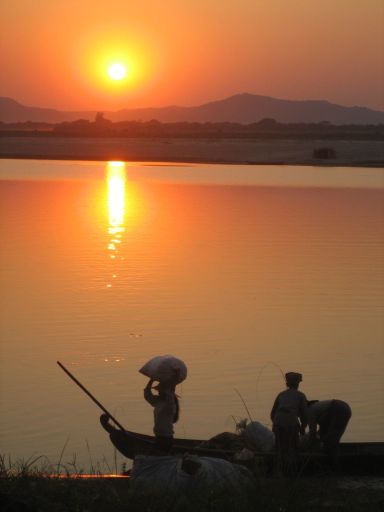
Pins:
<point x="349" y="153"/>
<point x="43" y="494"/>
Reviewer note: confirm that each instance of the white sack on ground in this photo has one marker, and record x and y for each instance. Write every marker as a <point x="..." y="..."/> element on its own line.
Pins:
<point x="259" y="437"/>
<point x="211" y="480"/>
<point x="163" y="368"/>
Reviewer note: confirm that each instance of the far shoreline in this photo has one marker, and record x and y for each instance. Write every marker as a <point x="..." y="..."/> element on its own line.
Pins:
<point x="197" y="162"/>
<point x="349" y="153"/>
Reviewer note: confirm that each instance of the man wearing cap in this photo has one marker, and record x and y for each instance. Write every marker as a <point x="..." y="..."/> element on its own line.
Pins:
<point x="289" y="419"/>
<point x="332" y="417"/>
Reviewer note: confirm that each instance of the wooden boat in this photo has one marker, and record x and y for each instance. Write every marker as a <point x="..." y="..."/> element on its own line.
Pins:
<point x="354" y="458"/>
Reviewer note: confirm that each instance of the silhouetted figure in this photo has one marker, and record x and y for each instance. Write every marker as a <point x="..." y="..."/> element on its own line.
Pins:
<point x="166" y="412"/>
<point x="289" y="418"/>
<point x="332" y="417"/>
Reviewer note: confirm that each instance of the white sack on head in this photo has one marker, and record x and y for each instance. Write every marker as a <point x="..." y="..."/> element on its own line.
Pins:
<point x="163" y="368"/>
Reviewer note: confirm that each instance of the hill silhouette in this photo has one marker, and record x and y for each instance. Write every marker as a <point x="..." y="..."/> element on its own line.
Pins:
<point x="11" y="111"/>
<point x="240" y="108"/>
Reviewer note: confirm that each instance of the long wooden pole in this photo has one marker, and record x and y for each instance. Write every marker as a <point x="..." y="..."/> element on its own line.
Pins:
<point x="90" y="395"/>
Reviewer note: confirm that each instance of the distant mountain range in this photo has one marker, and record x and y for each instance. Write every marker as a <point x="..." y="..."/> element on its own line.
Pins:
<point x="241" y="108"/>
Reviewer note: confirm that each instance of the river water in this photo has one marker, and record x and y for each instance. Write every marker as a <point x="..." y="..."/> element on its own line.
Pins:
<point x="244" y="272"/>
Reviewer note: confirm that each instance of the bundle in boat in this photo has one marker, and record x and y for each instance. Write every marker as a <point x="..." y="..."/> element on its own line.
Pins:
<point x="257" y="436"/>
<point x="165" y="368"/>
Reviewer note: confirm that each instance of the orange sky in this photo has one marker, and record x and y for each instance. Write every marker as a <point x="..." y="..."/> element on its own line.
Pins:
<point x="187" y="52"/>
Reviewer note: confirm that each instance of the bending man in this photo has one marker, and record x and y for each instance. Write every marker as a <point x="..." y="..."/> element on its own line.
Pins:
<point x="332" y="417"/>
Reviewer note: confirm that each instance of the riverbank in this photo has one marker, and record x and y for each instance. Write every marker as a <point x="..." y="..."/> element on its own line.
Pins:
<point x="43" y="494"/>
<point x="350" y="153"/>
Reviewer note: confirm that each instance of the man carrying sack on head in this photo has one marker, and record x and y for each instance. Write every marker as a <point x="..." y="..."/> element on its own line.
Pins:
<point x="168" y="371"/>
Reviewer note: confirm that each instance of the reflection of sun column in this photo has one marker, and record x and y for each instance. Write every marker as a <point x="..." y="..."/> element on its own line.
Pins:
<point x="116" y="208"/>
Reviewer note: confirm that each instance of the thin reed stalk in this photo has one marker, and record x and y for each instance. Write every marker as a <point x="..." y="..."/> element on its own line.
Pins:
<point x="245" y="405"/>
<point x="61" y="455"/>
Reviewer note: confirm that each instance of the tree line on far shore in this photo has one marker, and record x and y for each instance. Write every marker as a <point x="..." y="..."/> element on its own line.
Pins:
<point x="265" y="128"/>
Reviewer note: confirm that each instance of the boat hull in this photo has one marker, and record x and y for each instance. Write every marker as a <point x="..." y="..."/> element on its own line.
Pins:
<point x="354" y="458"/>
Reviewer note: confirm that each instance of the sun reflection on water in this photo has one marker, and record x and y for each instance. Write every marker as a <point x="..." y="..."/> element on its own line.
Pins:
<point x="116" y="184"/>
<point x="116" y="178"/>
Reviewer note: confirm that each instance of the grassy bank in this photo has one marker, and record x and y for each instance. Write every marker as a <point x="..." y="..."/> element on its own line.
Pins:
<point x="38" y="494"/>
<point x="29" y="489"/>
<point x="358" y="153"/>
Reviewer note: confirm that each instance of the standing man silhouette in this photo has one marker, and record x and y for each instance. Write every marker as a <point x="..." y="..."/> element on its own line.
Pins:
<point x="289" y="419"/>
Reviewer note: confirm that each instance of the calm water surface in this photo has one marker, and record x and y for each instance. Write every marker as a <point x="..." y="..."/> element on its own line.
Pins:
<point x="239" y="270"/>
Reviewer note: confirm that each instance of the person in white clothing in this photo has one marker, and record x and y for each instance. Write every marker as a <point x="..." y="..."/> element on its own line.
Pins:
<point x="165" y="411"/>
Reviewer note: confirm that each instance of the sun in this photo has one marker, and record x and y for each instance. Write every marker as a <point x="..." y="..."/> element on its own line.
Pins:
<point x="117" y="71"/>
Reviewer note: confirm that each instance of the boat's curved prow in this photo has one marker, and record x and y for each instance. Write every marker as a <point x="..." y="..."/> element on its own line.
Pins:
<point x="127" y="443"/>
<point x="104" y="420"/>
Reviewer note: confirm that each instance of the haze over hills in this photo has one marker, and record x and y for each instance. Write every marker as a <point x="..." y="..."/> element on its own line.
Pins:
<point x="241" y="108"/>
<point x="12" y="111"/>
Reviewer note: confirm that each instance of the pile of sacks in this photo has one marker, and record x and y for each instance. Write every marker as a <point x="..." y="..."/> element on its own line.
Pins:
<point x="191" y="483"/>
<point x="251" y="435"/>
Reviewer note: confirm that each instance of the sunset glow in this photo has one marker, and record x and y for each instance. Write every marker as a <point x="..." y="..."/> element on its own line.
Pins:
<point x="117" y="71"/>
<point x="114" y="66"/>
<point x="183" y="53"/>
